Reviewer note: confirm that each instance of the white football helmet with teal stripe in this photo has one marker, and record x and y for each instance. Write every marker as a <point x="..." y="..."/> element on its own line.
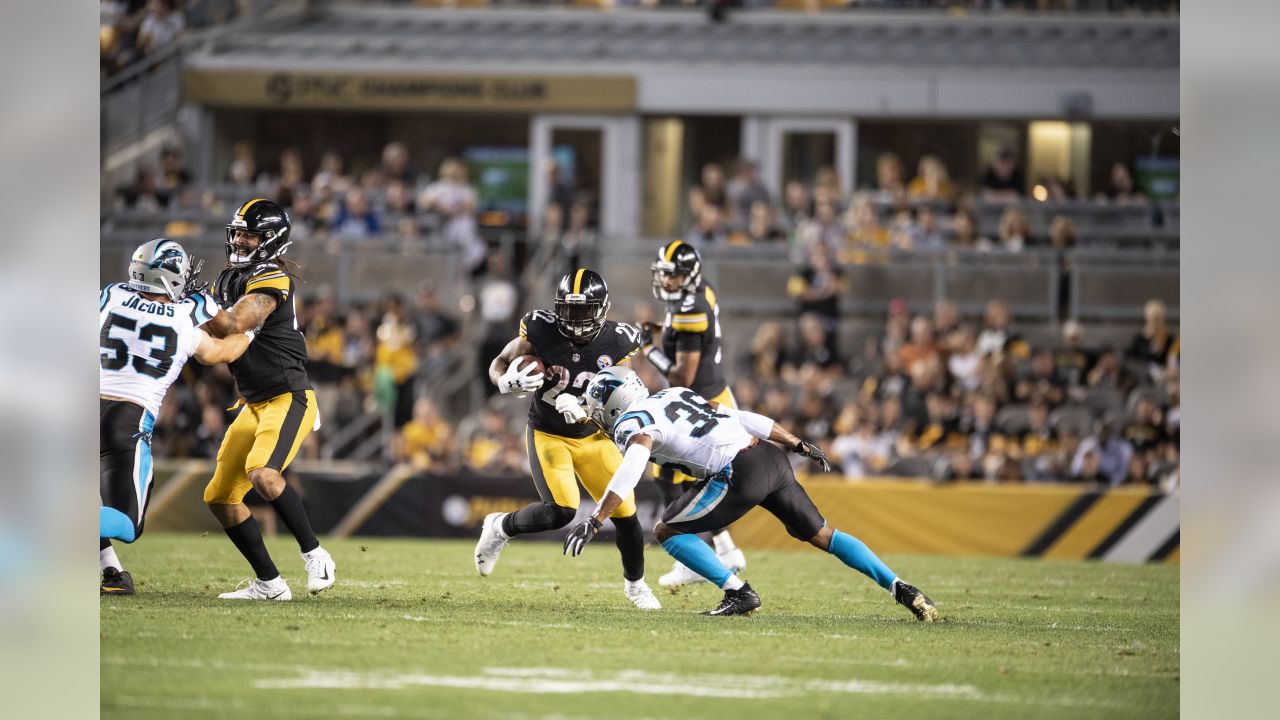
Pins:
<point x="610" y="393"/>
<point x="163" y="266"/>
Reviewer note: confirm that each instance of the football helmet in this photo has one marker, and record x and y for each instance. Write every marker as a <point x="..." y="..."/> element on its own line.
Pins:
<point x="610" y="393"/>
<point x="163" y="266"/>
<point x="582" y="302"/>
<point x="676" y="258"/>
<point x="269" y="222"/>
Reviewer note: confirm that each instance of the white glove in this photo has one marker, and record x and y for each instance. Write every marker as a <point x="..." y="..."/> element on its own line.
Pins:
<point x="569" y="407"/>
<point x="520" y="380"/>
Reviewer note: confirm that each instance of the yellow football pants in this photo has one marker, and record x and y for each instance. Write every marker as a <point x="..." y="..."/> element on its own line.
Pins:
<point x="560" y="463"/>
<point x="264" y="434"/>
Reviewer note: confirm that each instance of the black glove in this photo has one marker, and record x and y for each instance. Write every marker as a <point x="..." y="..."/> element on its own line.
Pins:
<point x="194" y="283"/>
<point x="580" y="536"/>
<point x="647" y="330"/>
<point x="814" y="453"/>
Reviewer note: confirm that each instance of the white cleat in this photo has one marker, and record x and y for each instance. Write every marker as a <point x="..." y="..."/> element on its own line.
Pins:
<point x="640" y="595"/>
<point x="680" y="575"/>
<point x="734" y="560"/>
<point x="492" y="540"/>
<point x="320" y="570"/>
<point x="257" y="589"/>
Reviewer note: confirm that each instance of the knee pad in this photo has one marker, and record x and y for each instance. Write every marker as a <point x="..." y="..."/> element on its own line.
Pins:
<point x="560" y="515"/>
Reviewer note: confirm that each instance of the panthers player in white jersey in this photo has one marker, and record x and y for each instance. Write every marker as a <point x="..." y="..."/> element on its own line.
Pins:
<point x="721" y="446"/>
<point x="149" y="327"/>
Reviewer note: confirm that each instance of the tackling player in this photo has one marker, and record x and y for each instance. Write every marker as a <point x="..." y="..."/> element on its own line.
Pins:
<point x="278" y="406"/>
<point x="738" y="472"/>
<point x="574" y="342"/>
<point x="148" y="327"/>
<point x="689" y="357"/>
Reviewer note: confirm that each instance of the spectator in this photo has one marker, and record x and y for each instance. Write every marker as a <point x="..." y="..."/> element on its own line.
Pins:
<point x="946" y="323"/>
<point x="174" y="178"/>
<point x="857" y="448"/>
<point x="1145" y="430"/>
<point x="1043" y="382"/>
<point x="244" y="168"/>
<point x="1002" y="181"/>
<point x="434" y="331"/>
<point x="823" y="227"/>
<point x="1015" y="229"/>
<point x="1038" y="441"/>
<point x="711" y="184"/>
<point x="964" y="363"/>
<point x="761" y="227"/>
<point x="816" y="353"/>
<point x="925" y="233"/>
<point x="398" y="199"/>
<point x="454" y="198"/>
<point x="768" y="353"/>
<point x="425" y="440"/>
<point x="931" y="181"/>
<point x="995" y="335"/>
<point x="890" y="179"/>
<point x="144" y="193"/>
<point x="1153" y="344"/>
<point x="397" y="356"/>
<point x="797" y="204"/>
<point x="1120" y="188"/>
<point x="1073" y="359"/>
<point x="862" y="224"/>
<point x="744" y="189"/>
<point x="356" y="220"/>
<point x="161" y="26"/>
<point x="395" y="166"/>
<point x="920" y="348"/>
<point x="1107" y="372"/>
<point x="1112" y="453"/>
<point x="1062" y="233"/>
<point x="964" y="231"/>
<point x="708" y="229"/>
<point x="817" y="285"/>
<point x="330" y="179"/>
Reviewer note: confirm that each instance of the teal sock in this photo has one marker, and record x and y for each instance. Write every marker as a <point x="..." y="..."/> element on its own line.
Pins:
<point x="855" y="553"/>
<point x="114" y="524"/>
<point x="698" y="557"/>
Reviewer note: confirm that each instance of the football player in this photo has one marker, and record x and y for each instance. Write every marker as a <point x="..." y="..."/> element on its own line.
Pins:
<point x="737" y="472"/>
<point x="689" y="357"/>
<point x="148" y="327"/>
<point x="574" y="342"/>
<point x="278" y="406"/>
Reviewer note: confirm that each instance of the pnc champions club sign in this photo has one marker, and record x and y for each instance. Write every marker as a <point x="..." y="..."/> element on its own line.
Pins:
<point x="410" y="91"/>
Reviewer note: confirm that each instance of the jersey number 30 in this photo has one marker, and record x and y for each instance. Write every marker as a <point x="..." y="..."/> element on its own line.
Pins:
<point x="115" y="352"/>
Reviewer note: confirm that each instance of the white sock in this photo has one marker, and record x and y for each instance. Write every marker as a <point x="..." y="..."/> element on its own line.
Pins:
<point x="723" y="543"/>
<point x="893" y="587"/>
<point x="107" y="559"/>
<point x="733" y="583"/>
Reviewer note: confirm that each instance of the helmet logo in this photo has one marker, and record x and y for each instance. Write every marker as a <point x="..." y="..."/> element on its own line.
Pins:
<point x="604" y="388"/>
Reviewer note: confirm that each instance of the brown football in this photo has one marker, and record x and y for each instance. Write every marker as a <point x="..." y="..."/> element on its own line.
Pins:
<point x="524" y="361"/>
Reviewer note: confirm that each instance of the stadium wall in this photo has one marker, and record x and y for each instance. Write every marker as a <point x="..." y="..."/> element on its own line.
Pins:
<point x="1128" y="524"/>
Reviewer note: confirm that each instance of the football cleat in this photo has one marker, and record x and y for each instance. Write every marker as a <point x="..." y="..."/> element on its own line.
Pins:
<point x="640" y="595"/>
<point x="492" y="540"/>
<point x="680" y="575"/>
<point x="910" y="597"/>
<point x="742" y="601"/>
<point x="257" y="589"/>
<point x="116" y="582"/>
<point x="320" y="570"/>
<point x="734" y="560"/>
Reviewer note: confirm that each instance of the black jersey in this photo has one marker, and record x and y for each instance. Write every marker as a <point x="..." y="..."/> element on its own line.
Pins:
<point x="574" y="365"/>
<point x="276" y="361"/>
<point x="693" y="325"/>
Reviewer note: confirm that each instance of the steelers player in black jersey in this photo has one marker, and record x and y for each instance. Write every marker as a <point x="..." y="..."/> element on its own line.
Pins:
<point x="278" y="406"/>
<point x="686" y="349"/>
<point x="574" y="342"/>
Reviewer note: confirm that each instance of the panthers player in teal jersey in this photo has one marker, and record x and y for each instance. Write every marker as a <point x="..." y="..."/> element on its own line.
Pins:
<point x="686" y="349"/>
<point x="737" y="472"/>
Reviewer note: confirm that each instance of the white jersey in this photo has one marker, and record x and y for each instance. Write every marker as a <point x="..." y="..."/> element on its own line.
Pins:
<point x="144" y="344"/>
<point x="687" y="433"/>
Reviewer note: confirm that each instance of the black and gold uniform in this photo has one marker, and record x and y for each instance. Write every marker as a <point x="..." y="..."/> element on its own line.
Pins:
<point x="692" y="324"/>
<point x="560" y="453"/>
<point x="279" y="405"/>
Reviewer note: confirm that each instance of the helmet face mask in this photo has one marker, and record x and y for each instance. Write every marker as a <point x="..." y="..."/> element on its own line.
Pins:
<point x="581" y="306"/>
<point x="265" y="219"/>
<point x="162" y="266"/>
<point x="610" y="393"/>
<point x="676" y="259"/>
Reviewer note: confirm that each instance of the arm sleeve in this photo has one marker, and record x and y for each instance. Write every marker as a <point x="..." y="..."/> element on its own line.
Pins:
<point x="689" y="341"/>
<point x="203" y="309"/>
<point x="196" y="337"/>
<point x="757" y="425"/>
<point x="629" y="472"/>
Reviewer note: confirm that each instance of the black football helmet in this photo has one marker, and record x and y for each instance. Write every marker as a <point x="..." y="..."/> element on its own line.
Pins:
<point x="676" y="258"/>
<point x="582" y="302"/>
<point x="268" y="221"/>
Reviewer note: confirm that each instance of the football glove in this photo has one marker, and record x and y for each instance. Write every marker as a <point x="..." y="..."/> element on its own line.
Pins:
<point x="570" y="408"/>
<point x="517" y="380"/>
<point x="647" y="331"/>
<point x="814" y="453"/>
<point x="194" y="283"/>
<point x="580" y="535"/>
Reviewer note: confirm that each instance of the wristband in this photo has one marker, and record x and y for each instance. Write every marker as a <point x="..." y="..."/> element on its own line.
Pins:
<point x="251" y="334"/>
<point x="659" y="360"/>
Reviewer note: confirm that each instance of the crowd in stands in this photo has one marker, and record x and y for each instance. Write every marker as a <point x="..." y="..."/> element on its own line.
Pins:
<point x="130" y="30"/>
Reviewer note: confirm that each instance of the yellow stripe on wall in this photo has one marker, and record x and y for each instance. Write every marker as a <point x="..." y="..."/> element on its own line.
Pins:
<point x="1099" y="522"/>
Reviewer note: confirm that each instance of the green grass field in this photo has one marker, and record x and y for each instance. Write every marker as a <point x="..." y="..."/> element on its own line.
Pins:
<point x="410" y="631"/>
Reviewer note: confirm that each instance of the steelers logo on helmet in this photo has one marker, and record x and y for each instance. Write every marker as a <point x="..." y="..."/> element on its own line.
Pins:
<point x="582" y="302"/>
<point x="677" y="271"/>
<point x="269" y="222"/>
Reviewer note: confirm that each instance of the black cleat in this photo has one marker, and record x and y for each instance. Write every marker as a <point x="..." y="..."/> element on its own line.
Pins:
<point x="737" y="602"/>
<point x="116" y="582"/>
<point x="910" y="597"/>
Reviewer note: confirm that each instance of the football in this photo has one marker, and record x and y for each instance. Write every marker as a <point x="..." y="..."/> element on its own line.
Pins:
<point x="524" y="360"/>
